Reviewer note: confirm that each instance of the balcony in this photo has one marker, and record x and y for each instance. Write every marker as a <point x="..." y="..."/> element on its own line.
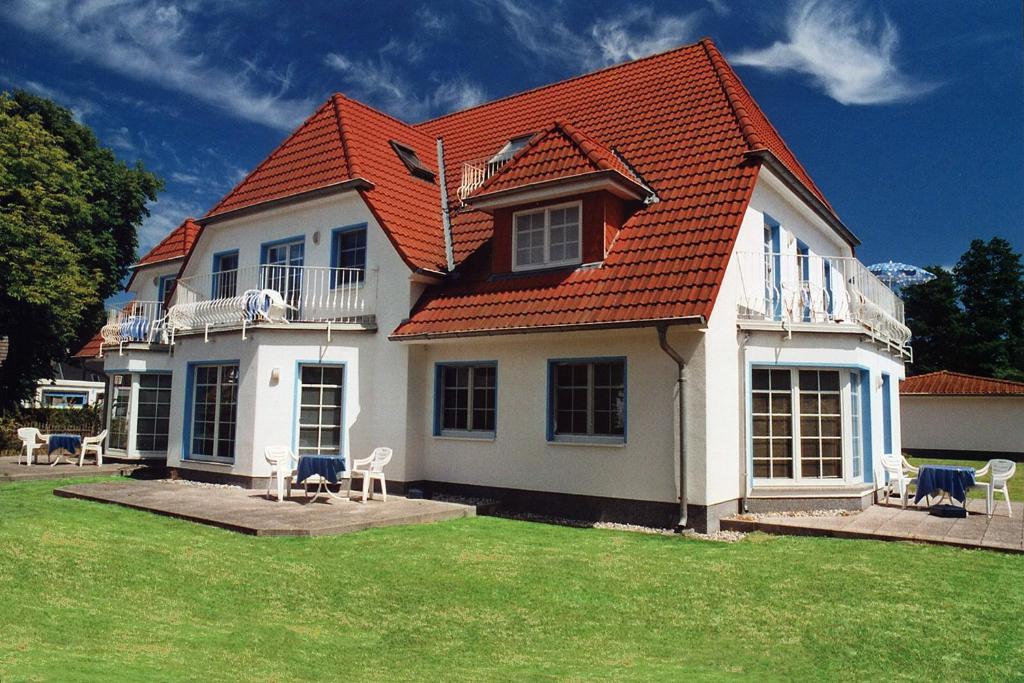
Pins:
<point x="475" y="173"/>
<point x="136" y="322"/>
<point x="820" y="291"/>
<point x="271" y="294"/>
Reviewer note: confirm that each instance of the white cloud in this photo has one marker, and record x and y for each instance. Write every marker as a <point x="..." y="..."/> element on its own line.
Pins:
<point x="430" y="20"/>
<point x="637" y="32"/>
<point x="80" y="107"/>
<point x="847" y="53"/>
<point x="155" y="43"/>
<point x="121" y="139"/>
<point x="380" y="82"/>
<point x="719" y="7"/>
<point x="185" y="178"/>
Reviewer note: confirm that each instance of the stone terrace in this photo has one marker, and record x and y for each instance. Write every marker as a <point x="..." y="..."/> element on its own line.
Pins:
<point x="893" y="523"/>
<point x="10" y="470"/>
<point x="251" y="512"/>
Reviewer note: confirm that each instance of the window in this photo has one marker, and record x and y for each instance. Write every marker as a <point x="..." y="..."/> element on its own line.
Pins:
<point x="821" y="438"/>
<point x="588" y="400"/>
<point x="65" y="399"/>
<point x="800" y="419"/>
<point x="225" y="275"/>
<point x="321" y="390"/>
<point x="348" y="251"/>
<point x="466" y="400"/>
<point x="856" y="426"/>
<point x="214" y="410"/>
<point x="887" y="413"/>
<point x="153" y="412"/>
<point x="510" y="148"/>
<point x="122" y="388"/>
<point x="412" y="161"/>
<point x="772" y="411"/>
<point x="281" y="270"/>
<point x="772" y="269"/>
<point x="548" y="237"/>
<point x="164" y="285"/>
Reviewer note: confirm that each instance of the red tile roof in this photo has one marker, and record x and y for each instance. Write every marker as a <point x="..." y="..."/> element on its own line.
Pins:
<point x="559" y="152"/>
<point x="946" y="383"/>
<point x="345" y="140"/>
<point x="175" y="245"/>
<point x="686" y="124"/>
<point x="91" y="348"/>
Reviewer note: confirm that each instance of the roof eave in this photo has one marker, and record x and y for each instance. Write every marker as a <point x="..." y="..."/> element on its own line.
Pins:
<point x="610" y="180"/>
<point x="353" y="184"/>
<point x="774" y="164"/>
<point x="531" y="329"/>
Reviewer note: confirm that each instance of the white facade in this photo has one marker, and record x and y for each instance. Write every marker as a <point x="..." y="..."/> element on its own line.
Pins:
<point x="390" y="395"/>
<point x="967" y="424"/>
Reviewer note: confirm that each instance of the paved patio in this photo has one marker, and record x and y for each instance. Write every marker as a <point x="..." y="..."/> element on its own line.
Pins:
<point x="892" y="523"/>
<point x="10" y="470"/>
<point x="250" y="512"/>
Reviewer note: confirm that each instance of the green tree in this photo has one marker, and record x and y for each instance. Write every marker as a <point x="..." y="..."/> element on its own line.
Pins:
<point x="971" y="319"/>
<point x="934" y="315"/>
<point x="69" y="210"/>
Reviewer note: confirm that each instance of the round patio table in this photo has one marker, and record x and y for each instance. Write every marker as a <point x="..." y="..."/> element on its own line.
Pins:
<point x="327" y="469"/>
<point x="949" y="480"/>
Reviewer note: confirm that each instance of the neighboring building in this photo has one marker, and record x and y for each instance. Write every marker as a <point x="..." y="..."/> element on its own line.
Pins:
<point x="71" y="387"/>
<point x="953" y="415"/>
<point x="509" y="321"/>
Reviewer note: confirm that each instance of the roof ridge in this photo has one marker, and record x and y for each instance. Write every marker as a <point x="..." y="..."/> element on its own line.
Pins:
<point x="267" y="158"/>
<point x="350" y="164"/>
<point x="577" y="77"/>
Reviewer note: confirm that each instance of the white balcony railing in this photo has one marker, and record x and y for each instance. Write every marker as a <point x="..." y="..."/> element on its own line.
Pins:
<point x="270" y="293"/>
<point x="136" y="321"/>
<point x="475" y="173"/>
<point x="792" y="288"/>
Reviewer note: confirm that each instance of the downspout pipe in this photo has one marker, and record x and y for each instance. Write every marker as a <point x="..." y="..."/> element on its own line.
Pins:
<point x="446" y="222"/>
<point x="681" y="392"/>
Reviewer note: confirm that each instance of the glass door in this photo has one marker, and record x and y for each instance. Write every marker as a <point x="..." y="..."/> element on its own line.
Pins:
<point x="282" y="272"/>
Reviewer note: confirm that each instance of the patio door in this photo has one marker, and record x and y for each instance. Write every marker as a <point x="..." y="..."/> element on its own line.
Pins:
<point x="120" y="405"/>
<point x="282" y="271"/>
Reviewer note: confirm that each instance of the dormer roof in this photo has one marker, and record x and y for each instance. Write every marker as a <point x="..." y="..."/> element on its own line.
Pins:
<point x="175" y="246"/>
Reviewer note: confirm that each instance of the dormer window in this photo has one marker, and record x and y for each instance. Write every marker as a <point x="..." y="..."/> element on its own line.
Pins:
<point x="412" y="161"/>
<point x="546" y="238"/>
<point x="510" y="148"/>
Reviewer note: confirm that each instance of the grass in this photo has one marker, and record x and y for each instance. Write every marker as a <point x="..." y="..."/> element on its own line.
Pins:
<point x="98" y="592"/>
<point x="1016" y="484"/>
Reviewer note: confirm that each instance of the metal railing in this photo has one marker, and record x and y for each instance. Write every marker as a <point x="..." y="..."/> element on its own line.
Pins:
<point x="136" y="321"/>
<point x="475" y="173"/>
<point x="794" y="288"/>
<point x="270" y="293"/>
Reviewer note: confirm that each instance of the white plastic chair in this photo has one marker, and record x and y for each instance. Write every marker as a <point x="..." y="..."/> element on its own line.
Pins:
<point x="380" y="457"/>
<point x="282" y="464"/>
<point x="94" y="445"/>
<point x="898" y="479"/>
<point x="31" y="439"/>
<point x="1001" y="472"/>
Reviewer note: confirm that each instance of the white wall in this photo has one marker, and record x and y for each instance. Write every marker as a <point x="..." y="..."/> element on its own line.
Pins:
<point x="520" y="457"/>
<point x="964" y="423"/>
<point x="146" y="284"/>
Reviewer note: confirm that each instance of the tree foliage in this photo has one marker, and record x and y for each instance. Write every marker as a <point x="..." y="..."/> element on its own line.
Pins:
<point x="971" y="319"/>
<point x="69" y="211"/>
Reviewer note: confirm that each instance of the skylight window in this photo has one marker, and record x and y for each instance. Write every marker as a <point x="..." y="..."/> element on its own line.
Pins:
<point x="412" y="162"/>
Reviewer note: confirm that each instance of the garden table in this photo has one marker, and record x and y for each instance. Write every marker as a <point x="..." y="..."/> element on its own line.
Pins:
<point x="951" y="480"/>
<point x="328" y="469"/>
<point x="62" y="442"/>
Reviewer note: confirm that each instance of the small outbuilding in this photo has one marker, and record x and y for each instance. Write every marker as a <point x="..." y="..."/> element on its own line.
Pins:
<point x="950" y="414"/>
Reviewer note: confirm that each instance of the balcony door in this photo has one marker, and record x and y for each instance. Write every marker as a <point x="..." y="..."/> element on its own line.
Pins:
<point x="282" y="271"/>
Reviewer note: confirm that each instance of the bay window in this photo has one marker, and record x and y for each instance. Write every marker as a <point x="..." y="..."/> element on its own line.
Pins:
<point x="806" y="424"/>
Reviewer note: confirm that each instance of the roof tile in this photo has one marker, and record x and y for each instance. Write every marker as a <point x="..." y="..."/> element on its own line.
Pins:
<point x="946" y="383"/>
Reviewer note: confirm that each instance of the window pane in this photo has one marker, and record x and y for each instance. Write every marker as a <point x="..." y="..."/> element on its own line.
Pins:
<point x="320" y="417"/>
<point x="759" y="380"/>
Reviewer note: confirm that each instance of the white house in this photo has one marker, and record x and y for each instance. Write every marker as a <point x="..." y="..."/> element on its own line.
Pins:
<point x="950" y="414"/>
<point x="619" y="296"/>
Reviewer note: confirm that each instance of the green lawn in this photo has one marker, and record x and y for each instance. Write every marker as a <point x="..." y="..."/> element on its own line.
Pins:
<point x="1016" y="484"/>
<point x="97" y="592"/>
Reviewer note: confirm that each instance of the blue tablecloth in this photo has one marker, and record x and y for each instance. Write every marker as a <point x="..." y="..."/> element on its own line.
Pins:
<point x="68" y="442"/>
<point x="953" y="480"/>
<point x="328" y="467"/>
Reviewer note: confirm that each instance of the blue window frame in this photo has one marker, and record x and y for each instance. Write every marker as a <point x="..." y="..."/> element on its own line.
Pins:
<point x="887" y="414"/>
<point x="466" y="399"/>
<point x="587" y="400"/>
<point x="225" y="275"/>
<point x="348" y="250"/>
<point x="773" y="268"/>
<point x="803" y="255"/>
<point x="164" y="285"/>
<point x="281" y="264"/>
<point x="211" y="411"/>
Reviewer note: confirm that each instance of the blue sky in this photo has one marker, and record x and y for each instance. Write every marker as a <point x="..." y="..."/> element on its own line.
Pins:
<point x="909" y="114"/>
